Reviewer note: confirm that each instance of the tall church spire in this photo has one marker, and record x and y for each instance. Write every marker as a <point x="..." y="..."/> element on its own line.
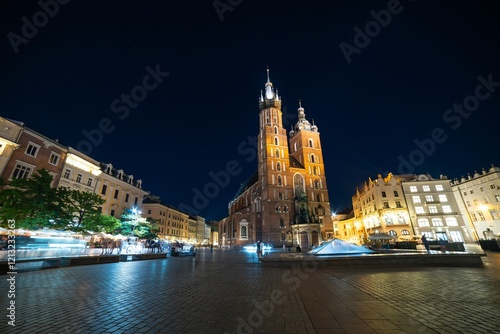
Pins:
<point x="270" y="98"/>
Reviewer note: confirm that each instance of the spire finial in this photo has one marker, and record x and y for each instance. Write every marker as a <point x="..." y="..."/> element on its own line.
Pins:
<point x="268" y="80"/>
<point x="300" y="103"/>
<point x="313" y="121"/>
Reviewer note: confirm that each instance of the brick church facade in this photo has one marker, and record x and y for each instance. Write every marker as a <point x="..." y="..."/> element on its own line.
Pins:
<point x="285" y="202"/>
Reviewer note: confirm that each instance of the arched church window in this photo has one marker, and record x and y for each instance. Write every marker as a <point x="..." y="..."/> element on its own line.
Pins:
<point x="277" y="153"/>
<point x="312" y="158"/>
<point x="276" y="142"/>
<point x="311" y="143"/>
<point x="275" y="130"/>
<point x="315" y="171"/>
<point x="279" y="180"/>
<point x="278" y="166"/>
<point x="298" y="184"/>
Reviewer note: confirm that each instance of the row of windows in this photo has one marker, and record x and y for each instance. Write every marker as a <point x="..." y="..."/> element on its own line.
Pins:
<point x="486" y="200"/>
<point x="433" y="209"/>
<point x="426" y="188"/>
<point x="450" y="221"/>
<point x="385" y="205"/>
<point x="396" y="194"/>
<point x="33" y="149"/>
<point x="430" y="199"/>
<point x="163" y="213"/>
<point x="79" y="177"/>
<point x="117" y="193"/>
<point x="278" y="209"/>
<point x="494" y="215"/>
<point x="481" y="189"/>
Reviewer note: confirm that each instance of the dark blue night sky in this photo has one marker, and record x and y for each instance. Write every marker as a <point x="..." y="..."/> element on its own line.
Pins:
<point x="87" y="64"/>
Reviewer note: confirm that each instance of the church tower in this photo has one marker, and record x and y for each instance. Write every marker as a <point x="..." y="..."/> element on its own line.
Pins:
<point x="285" y="202"/>
<point x="305" y="148"/>
<point x="273" y="166"/>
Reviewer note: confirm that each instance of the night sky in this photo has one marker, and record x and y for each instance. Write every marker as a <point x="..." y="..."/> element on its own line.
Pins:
<point x="371" y="96"/>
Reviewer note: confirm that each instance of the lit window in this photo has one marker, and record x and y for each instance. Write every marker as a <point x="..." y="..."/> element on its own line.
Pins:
<point x="413" y="189"/>
<point x="446" y="208"/>
<point x="439" y="187"/>
<point x="451" y="221"/>
<point x="419" y="209"/>
<point x="433" y="209"/>
<point x="426" y="188"/>
<point x="437" y="222"/>
<point x="443" y="198"/>
<point x="422" y="222"/>
<point x="429" y="198"/>
<point x="481" y="216"/>
<point x="386" y="205"/>
<point x="416" y="199"/>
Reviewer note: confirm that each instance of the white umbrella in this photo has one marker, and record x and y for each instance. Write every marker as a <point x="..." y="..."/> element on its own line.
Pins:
<point x="381" y="236"/>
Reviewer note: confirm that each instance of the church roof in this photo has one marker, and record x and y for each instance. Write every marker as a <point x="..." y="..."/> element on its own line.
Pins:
<point x="295" y="163"/>
<point x="247" y="184"/>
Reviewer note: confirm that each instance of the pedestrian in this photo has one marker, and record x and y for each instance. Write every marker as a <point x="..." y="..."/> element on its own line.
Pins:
<point x="258" y="249"/>
<point x="211" y="248"/>
<point x="426" y="243"/>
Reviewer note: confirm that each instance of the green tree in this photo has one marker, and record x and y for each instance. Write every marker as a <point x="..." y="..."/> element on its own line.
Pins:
<point x="132" y="223"/>
<point x="105" y="223"/>
<point x="81" y="210"/>
<point x="31" y="202"/>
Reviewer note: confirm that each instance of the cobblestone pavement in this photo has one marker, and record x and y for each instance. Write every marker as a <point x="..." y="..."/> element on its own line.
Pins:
<point x="229" y="292"/>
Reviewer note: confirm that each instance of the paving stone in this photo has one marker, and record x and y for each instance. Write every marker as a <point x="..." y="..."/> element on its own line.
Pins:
<point x="224" y="291"/>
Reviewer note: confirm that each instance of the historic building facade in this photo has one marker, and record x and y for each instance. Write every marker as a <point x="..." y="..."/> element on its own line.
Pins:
<point x="79" y="172"/>
<point x="35" y="152"/>
<point x="9" y="135"/>
<point x="434" y="210"/>
<point x="479" y="198"/>
<point x="285" y="202"/>
<point x="380" y="206"/>
<point x="120" y="191"/>
<point x="172" y="224"/>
